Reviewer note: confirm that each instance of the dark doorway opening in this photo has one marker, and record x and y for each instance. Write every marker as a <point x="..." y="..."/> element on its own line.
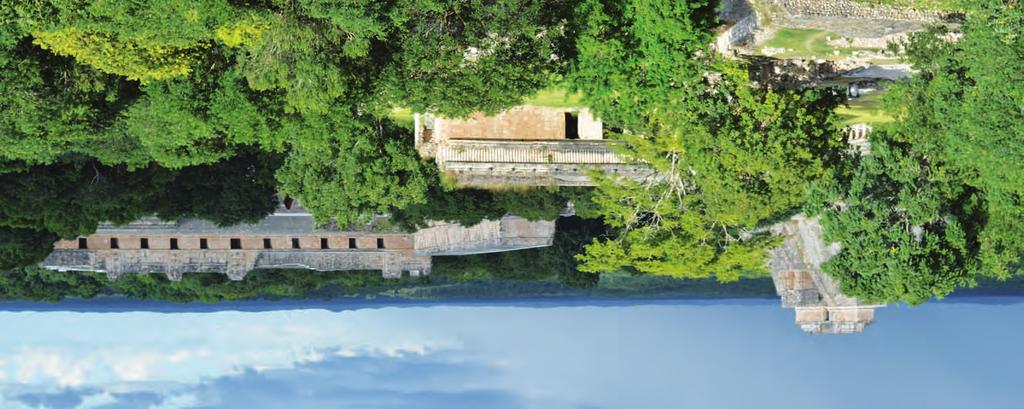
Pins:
<point x="380" y="243"/>
<point x="295" y="243"/>
<point x="266" y="243"/>
<point x="572" y="126"/>
<point x="351" y="243"/>
<point x="236" y="244"/>
<point x="203" y="244"/>
<point x="144" y="243"/>
<point x="174" y="244"/>
<point x="113" y="243"/>
<point x="83" y="243"/>
<point x="323" y="244"/>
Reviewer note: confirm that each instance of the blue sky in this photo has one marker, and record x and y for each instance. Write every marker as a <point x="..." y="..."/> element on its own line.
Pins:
<point x="667" y="355"/>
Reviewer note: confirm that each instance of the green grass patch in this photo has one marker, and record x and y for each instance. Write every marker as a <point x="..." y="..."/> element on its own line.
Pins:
<point x="555" y="97"/>
<point x="866" y="109"/>
<point x="403" y="117"/>
<point x="806" y="43"/>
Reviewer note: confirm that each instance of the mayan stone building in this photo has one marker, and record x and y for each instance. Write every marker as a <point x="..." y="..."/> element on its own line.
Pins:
<point x="523" y="146"/>
<point x="796" y="270"/>
<point x="286" y="239"/>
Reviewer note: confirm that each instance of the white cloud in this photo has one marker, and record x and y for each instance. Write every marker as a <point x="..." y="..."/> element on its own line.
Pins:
<point x="181" y="401"/>
<point x="33" y="364"/>
<point x="96" y="400"/>
<point x="311" y="355"/>
<point x="133" y="368"/>
<point x="393" y="351"/>
<point x="180" y="356"/>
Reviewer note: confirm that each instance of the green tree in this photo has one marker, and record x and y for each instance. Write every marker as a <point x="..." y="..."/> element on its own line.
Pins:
<point x="314" y="52"/>
<point x="71" y="198"/>
<point x="203" y="118"/>
<point x="725" y="164"/>
<point x="238" y="190"/>
<point x="637" y="57"/>
<point x="471" y="206"/>
<point x="938" y="202"/>
<point x="22" y="247"/>
<point x="556" y="262"/>
<point x="126" y="38"/>
<point x="346" y="168"/>
<point x="455" y="57"/>
<point x="40" y="284"/>
<point x="908" y="225"/>
<point x="53" y="106"/>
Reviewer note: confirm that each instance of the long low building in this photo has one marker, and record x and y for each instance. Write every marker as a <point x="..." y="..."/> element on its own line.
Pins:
<point x="287" y="239"/>
<point x="523" y="146"/>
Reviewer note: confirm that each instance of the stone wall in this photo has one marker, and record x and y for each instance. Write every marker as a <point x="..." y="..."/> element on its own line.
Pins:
<point x="739" y="33"/>
<point x="235" y="263"/>
<point x="485" y="164"/>
<point x="851" y="9"/>
<point x="184" y="247"/>
<point x="489" y="236"/>
<point x="520" y="123"/>
<point x="565" y="152"/>
<point x="490" y="175"/>
<point x="818" y="304"/>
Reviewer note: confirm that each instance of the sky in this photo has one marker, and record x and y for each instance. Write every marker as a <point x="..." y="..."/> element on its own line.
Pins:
<point x="745" y="354"/>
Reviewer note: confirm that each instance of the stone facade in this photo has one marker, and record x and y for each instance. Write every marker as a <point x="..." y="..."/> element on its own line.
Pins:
<point x="522" y="123"/>
<point x="851" y="9"/>
<point x="285" y="240"/>
<point x="524" y="146"/>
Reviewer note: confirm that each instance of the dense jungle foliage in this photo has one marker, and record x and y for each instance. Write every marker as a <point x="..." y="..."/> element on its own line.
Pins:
<point x="113" y="110"/>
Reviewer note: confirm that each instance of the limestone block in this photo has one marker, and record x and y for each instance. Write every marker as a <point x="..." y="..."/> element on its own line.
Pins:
<point x="811" y="314"/>
<point x="188" y="243"/>
<point x="280" y="242"/>
<point x="159" y="243"/>
<point x="129" y="242"/>
<point x="309" y="242"/>
<point x="590" y="128"/>
<point x="338" y="242"/>
<point x="66" y="244"/>
<point x="398" y="242"/>
<point x="366" y="242"/>
<point x="219" y="243"/>
<point x="252" y="243"/>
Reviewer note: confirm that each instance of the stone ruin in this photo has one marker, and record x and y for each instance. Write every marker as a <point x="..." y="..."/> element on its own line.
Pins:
<point x="286" y="239"/>
<point x="522" y="146"/>
<point x="819" y="306"/>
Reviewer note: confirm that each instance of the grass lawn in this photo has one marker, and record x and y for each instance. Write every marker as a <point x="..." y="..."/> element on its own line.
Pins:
<point x="915" y="4"/>
<point x="866" y="109"/>
<point x="402" y="117"/>
<point x="805" y="43"/>
<point x="555" y="97"/>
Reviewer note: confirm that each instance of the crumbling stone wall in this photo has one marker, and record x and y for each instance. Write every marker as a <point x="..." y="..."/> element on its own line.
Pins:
<point x="740" y="32"/>
<point x="850" y="9"/>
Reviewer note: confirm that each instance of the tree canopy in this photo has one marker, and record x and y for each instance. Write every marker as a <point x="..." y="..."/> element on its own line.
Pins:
<point x="727" y="157"/>
<point x="187" y="83"/>
<point x="938" y="202"/>
<point x="63" y="200"/>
